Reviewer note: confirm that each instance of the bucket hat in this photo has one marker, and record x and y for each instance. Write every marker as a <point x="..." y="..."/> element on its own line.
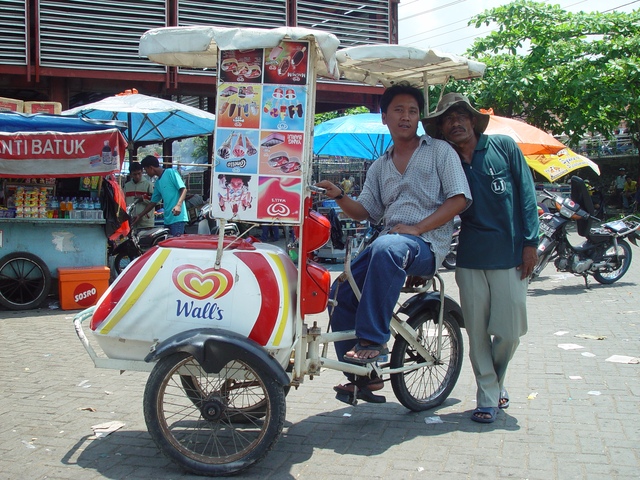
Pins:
<point x="430" y="122"/>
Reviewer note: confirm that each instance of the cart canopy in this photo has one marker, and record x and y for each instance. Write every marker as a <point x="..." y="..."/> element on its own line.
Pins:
<point x="52" y="146"/>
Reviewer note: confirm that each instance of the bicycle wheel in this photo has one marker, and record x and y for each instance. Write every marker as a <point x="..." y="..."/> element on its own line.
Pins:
<point x="25" y="281"/>
<point x="427" y="386"/>
<point x="624" y="253"/>
<point x="213" y="424"/>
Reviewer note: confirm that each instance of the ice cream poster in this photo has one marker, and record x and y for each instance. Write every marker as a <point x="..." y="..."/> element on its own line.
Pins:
<point x="279" y="198"/>
<point x="283" y="107"/>
<point x="234" y="196"/>
<point x="287" y="63"/>
<point x="241" y="65"/>
<point x="238" y="105"/>
<point x="236" y="151"/>
<point x="281" y="153"/>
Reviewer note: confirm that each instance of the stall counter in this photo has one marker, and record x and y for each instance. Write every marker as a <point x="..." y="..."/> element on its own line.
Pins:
<point x="58" y="242"/>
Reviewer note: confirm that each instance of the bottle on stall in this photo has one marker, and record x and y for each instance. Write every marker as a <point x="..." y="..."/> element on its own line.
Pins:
<point x="74" y="203"/>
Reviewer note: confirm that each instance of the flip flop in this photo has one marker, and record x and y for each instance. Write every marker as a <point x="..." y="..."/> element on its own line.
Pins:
<point x="491" y="411"/>
<point x="381" y="349"/>
<point x="346" y="393"/>
<point x="504" y="399"/>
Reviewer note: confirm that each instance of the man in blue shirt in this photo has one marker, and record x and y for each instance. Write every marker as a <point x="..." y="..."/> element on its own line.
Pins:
<point x="416" y="187"/>
<point x="171" y="190"/>
<point x="498" y="244"/>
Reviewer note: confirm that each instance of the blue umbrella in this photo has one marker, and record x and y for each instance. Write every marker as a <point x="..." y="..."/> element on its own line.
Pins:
<point x="360" y="136"/>
<point x="149" y="119"/>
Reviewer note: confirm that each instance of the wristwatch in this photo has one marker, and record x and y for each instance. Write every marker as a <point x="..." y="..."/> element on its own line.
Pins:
<point x="339" y="197"/>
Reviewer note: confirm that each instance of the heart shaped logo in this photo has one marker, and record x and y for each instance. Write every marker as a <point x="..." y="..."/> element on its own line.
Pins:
<point x="200" y="284"/>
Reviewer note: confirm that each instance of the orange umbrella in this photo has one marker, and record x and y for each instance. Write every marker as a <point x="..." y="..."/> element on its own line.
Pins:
<point x="530" y="139"/>
<point x="543" y="152"/>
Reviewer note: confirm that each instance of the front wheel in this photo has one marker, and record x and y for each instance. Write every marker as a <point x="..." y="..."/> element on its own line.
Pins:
<point x="25" y="281"/>
<point x="236" y="418"/>
<point x="623" y="263"/>
<point x="427" y="386"/>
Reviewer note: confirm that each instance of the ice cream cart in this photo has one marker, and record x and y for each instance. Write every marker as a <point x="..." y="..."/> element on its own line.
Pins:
<point x="35" y="151"/>
<point x="219" y="321"/>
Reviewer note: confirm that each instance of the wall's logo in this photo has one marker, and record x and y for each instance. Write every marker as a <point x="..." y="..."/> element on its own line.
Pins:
<point x="201" y="284"/>
<point x="278" y="210"/>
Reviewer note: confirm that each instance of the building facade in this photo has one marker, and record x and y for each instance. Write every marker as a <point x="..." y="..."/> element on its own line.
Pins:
<point x="78" y="51"/>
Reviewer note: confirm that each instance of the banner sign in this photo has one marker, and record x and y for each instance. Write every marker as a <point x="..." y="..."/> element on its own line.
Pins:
<point x="56" y="154"/>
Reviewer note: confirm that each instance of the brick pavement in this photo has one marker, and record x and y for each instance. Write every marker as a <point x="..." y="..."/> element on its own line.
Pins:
<point x="52" y="395"/>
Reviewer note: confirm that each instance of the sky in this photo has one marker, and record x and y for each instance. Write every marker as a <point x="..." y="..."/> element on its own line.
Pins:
<point x="442" y="24"/>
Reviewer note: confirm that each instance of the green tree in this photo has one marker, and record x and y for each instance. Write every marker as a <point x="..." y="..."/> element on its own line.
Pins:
<point x="323" y="117"/>
<point x="568" y="73"/>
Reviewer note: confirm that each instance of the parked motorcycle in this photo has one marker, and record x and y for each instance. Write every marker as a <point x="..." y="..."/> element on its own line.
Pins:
<point x="136" y="243"/>
<point x="605" y="254"/>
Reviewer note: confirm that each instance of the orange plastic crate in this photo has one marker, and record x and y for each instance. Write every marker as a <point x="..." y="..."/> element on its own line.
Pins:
<point x="81" y="287"/>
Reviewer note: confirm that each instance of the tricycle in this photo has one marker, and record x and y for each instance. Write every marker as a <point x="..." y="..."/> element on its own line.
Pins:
<point x="220" y="321"/>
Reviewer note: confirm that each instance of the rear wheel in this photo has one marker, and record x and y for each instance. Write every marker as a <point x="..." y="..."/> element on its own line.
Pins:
<point x="624" y="259"/>
<point x="427" y="386"/>
<point x="213" y="424"/>
<point x="25" y="281"/>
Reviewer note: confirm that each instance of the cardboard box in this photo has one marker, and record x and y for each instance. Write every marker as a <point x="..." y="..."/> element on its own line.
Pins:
<point x="43" y="107"/>
<point x="11" y="105"/>
<point x="81" y="287"/>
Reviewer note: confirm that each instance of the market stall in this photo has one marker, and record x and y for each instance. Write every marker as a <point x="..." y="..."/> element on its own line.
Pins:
<point x="50" y="216"/>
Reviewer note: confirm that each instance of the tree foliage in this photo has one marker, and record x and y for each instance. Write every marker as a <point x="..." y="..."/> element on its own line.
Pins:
<point x="323" y="117"/>
<point x="567" y="73"/>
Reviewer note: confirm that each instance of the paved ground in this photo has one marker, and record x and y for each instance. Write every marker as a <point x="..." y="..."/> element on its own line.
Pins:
<point x="573" y="414"/>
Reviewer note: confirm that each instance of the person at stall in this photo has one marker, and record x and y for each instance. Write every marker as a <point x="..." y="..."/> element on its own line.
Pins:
<point x="171" y="191"/>
<point x="618" y="184"/>
<point x="416" y="187"/>
<point x="139" y="190"/>
<point x="629" y="192"/>
<point x="497" y="248"/>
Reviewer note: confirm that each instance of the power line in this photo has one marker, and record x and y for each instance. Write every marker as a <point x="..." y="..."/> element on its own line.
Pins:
<point x="433" y="9"/>
<point x="477" y="34"/>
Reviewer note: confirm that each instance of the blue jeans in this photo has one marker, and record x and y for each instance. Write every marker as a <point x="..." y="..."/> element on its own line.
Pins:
<point x="380" y="272"/>
<point x="176" y="229"/>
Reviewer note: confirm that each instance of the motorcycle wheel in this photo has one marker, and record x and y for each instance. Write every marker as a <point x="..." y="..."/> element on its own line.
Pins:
<point x="427" y="386"/>
<point x="121" y="261"/>
<point x="25" y="281"/>
<point x="205" y="437"/>
<point x="624" y="252"/>
<point x="542" y="262"/>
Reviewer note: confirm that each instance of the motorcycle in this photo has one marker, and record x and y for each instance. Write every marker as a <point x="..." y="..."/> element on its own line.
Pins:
<point x="605" y="254"/>
<point x="135" y="244"/>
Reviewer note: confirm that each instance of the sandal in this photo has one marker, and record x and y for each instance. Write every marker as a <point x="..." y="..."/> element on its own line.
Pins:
<point x="373" y="385"/>
<point x="353" y="391"/>
<point x="478" y="414"/>
<point x="359" y="347"/>
<point x="504" y="399"/>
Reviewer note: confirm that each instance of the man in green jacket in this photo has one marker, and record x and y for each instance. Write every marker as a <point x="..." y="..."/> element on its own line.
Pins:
<point x="498" y="245"/>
